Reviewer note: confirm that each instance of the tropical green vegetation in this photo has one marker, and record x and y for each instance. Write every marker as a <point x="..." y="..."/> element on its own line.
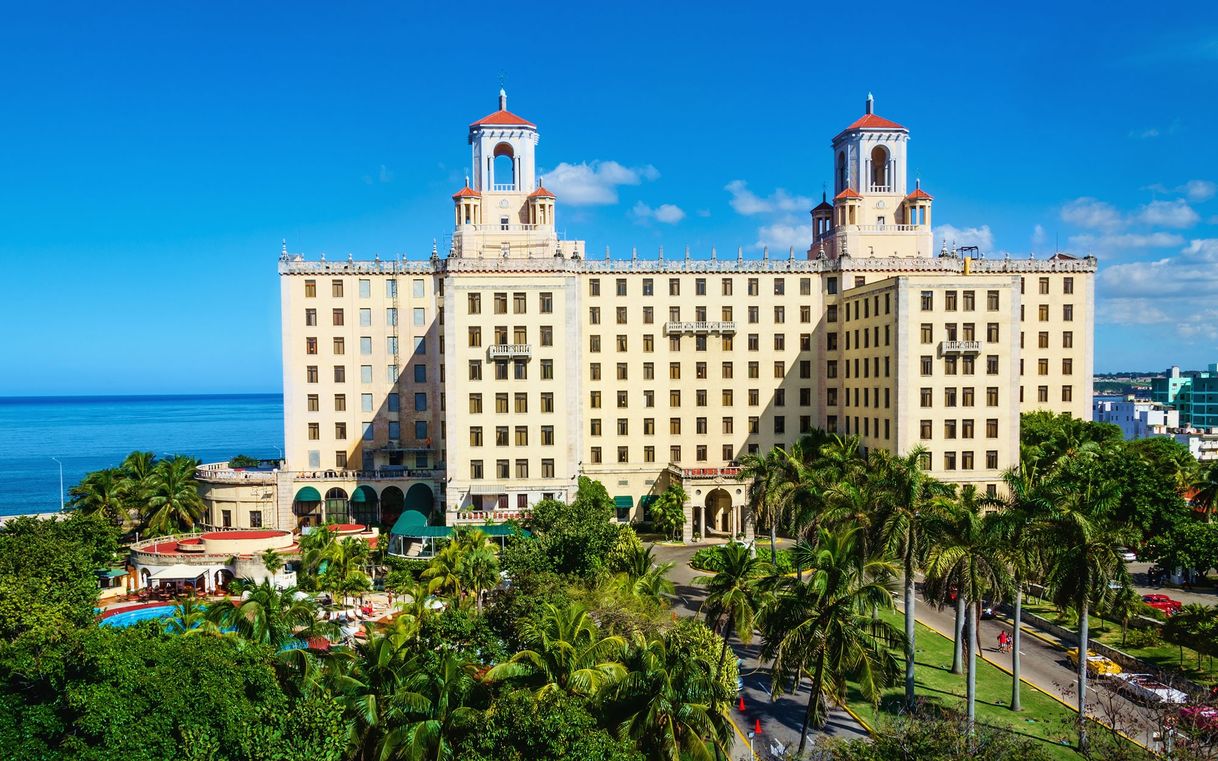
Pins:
<point x="144" y="494"/>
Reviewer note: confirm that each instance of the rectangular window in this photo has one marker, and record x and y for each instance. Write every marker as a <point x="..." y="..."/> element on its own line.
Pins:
<point x="336" y="316"/>
<point x="340" y="373"/>
<point x="519" y="303"/>
<point x="310" y="287"/>
<point x="336" y="289"/>
<point x="928" y="301"/>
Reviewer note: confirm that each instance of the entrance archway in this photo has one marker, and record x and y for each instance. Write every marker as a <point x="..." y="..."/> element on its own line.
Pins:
<point x="365" y="506"/>
<point x="719" y="516"/>
<point x="420" y="500"/>
<point x="306" y="506"/>
<point x="393" y="501"/>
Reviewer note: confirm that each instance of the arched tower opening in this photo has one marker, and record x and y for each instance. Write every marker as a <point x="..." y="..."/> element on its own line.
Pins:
<point x="880" y="170"/>
<point x="504" y="167"/>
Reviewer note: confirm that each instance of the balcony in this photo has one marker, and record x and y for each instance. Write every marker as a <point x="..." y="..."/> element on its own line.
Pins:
<point x="509" y="351"/>
<point x="730" y="473"/>
<point x="959" y="347"/>
<point x="503" y="187"/>
<point x="386" y="474"/>
<point x="725" y="326"/>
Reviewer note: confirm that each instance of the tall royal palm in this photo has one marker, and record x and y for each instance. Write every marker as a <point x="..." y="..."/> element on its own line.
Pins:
<point x="1206" y="485"/>
<point x="1018" y="525"/>
<point x="763" y="472"/>
<point x="173" y="497"/>
<point x="908" y="508"/>
<point x="733" y="597"/>
<point x="824" y="626"/>
<point x="1084" y="559"/>
<point x="964" y="555"/>
<point x="428" y="710"/>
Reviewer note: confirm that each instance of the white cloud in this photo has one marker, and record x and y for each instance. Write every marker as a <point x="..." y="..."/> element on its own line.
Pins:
<point x="1175" y="213"/>
<point x="1038" y="236"/>
<point x="666" y="212"/>
<point x="1101" y="243"/>
<point x="746" y="202"/>
<point x="385" y="175"/>
<point x="703" y="212"/>
<point x="981" y="237"/>
<point x="594" y="183"/>
<point x="1176" y="290"/>
<point x="1092" y="213"/>
<point x="781" y="236"/>
<point x="1144" y="134"/>
<point x="1194" y="190"/>
<point x="1130" y="311"/>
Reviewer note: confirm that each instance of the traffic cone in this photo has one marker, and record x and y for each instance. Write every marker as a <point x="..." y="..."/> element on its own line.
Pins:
<point x="757" y="726"/>
<point x="741" y="704"/>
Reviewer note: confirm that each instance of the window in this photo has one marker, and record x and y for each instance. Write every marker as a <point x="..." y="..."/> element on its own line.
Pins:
<point x="336" y="288"/>
<point x="991" y="364"/>
<point x="1042" y="366"/>
<point x="340" y="373"/>
<point x="1068" y="285"/>
<point x="310" y="345"/>
<point x="991" y="396"/>
<point x="779" y="286"/>
<point x="500" y="303"/>
<point x="521" y="402"/>
<point x="547" y="402"/>
<point x="928" y="333"/>
<point x="927" y="364"/>
<point x="475" y="436"/>
<point x="928" y="301"/>
<point x="925" y="430"/>
<point x="547" y="468"/>
<point x="519" y="303"/>
<point x="475" y="470"/>
<point x="649" y="287"/>
<point x="336" y="316"/>
<point x="547" y="335"/>
<point x="949" y="397"/>
<point x="1068" y="340"/>
<point x="502" y="469"/>
<point x="621" y="315"/>
<point x="674" y="286"/>
<point x="310" y="318"/>
<point x="314" y="431"/>
<point x="501" y="402"/>
<point x="991" y="428"/>
<point x="700" y="286"/>
<point x="970" y="301"/>
<point x="949" y="301"/>
<point x="926" y="397"/>
<point x="1068" y="312"/>
<point x="949" y="460"/>
<point x="420" y="402"/>
<point x="727" y="286"/>
<point x="340" y="402"/>
<point x="594" y="344"/>
<point x="420" y="373"/>
<point x="1043" y="312"/>
<point x="310" y="287"/>
<point x="966" y="396"/>
<point x="1067" y="393"/>
<point x="1044" y="286"/>
<point x="594" y="287"/>
<point x="780" y="424"/>
<point x="991" y="332"/>
<point x="595" y="455"/>
<point x="594" y="315"/>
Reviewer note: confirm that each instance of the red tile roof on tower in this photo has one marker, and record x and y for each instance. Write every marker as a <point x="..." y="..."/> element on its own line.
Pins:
<point x="822" y="205"/>
<point x="467" y="192"/>
<point x="871" y="121"/>
<point x="847" y="193"/>
<point x="920" y="193"/>
<point x="503" y="117"/>
<point x="541" y="192"/>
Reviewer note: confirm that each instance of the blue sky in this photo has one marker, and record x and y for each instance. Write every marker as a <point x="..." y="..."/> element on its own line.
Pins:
<point x="155" y="155"/>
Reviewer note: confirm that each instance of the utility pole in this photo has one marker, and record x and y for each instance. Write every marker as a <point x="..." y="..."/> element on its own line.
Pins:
<point x="61" y="502"/>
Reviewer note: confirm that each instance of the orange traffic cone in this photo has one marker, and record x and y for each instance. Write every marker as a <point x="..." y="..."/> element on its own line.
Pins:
<point x="757" y="726"/>
<point x="741" y="704"/>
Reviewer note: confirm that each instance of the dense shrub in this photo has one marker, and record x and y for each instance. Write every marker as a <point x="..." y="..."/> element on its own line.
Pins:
<point x="710" y="559"/>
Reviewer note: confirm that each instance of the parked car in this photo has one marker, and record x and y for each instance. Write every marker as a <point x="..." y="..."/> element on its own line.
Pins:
<point x="1200" y="718"/>
<point x="1127" y="555"/>
<point x="987" y="610"/>
<point x="1163" y="603"/>
<point x="1146" y="689"/>
<point x="1097" y="665"/>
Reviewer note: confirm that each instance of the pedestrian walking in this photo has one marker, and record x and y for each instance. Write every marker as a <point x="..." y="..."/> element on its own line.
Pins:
<point x="1004" y="641"/>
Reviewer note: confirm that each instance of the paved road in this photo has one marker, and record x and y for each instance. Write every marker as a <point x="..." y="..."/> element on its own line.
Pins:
<point x="1201" y="595"/>
<point x="1045" y="665"/>
<point x="781" y="719"/>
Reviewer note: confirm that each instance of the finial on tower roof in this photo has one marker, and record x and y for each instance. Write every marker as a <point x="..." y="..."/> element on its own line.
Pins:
<point x="434" y="251"/>
<point x="739" y="253"/>
<point x="606" y="252"/>
<point x="943" y="250"/>
<point x="467" y="180"/>
<point x="791" y="256"/>
<point x="714" y="255"/>
<point x="661" y="253"/>
<point x="634" y="253"/>
<point x="870" y="103"/>
<point x="765" y="253"/>
<point x="687" y="253"/>
<point x="503" y="100"/>
<point x="285" y="247"/>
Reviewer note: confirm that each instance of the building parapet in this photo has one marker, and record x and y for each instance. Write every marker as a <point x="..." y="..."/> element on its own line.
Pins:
<point x="220" y="471"/>
<point x="739" y="265"/>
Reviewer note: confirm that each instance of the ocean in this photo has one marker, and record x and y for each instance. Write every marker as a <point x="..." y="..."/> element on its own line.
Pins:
<point x="92" y="432"/>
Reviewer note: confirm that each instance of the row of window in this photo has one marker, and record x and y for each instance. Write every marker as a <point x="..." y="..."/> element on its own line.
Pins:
<point x="520" y="335"/>
<point x="339" y="345"/>
<point x="727" y="314"/>
<point x="726" y="286"/>
<point x="392" y="373"/>
<point x="503" y="469"/>
<point x="340" y="459"/>
<point x="700" y="370"/>
<point x="958" y="397"/>
<point x="1042" y="366"/>
<point x="520" y="303"/>
<point x="393" y="430"/>
<point x="952" y="301"/>
<point x="393" y="402"/>
<point x="701" y="343"/>
<point x="965" y="364"/>
<point x="963" y="429"/>
<point x="338" y="317"/>
<point x="418" y="288"/>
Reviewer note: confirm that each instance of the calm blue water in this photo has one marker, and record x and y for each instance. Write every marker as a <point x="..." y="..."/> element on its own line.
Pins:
<point x="132" y="617"/>
<point x="89" y="433"/>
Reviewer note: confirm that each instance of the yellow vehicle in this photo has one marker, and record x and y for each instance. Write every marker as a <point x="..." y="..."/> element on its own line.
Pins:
<point x="1097" y="665"/>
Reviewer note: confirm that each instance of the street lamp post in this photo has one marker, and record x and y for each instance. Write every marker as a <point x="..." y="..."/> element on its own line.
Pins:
<point x="61" y="502"/>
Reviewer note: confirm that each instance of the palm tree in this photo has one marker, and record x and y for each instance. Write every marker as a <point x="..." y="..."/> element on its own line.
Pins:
<point x="646" y="579"/>
<point x="763" y="471"/>
<point x="668" y="712"/>
<point x="366" y="683"/>
<point x="268" y="615"/>
<point x="824" y="626"/>
<point x="733" y="597"/>
<point x="479" y="565"/>
<point x="566" y="652"/>
<point x="1018" y="528"/>
<point x="190" y="617"/>
<point x="1206" y="485"/>
<point x="272" y="561"/>
<point x="173" y="497"/>
<point x="103" y="493"/>
<point x="909" y="494"/>
<point x="428" y="709"/>
<point x="444" y="572"/>
<point x="964" y="556"/>
<point x="1085" y="558"/>
<point x="138" y="469"/>
<point x="315" y="548"/>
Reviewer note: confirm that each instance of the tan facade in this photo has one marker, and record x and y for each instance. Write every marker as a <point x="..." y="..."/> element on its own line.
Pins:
<point x="484" y="380"/>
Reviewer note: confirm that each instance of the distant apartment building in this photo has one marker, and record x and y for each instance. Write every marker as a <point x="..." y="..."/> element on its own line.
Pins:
<point x="465" y="388"/>
<point x="1138" y="418"/>
<point x="1195" y="396"/>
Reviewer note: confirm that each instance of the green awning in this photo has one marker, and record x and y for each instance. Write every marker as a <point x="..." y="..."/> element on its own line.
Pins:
<point x="308" y="494"/>
<point x="409" y="523"/>
<point x="623" y="502"/>
<point x="363" y="494"/>
<point x="648" y="500"/>
<point x="420" y="531"/>
<point x="111" y="573"/>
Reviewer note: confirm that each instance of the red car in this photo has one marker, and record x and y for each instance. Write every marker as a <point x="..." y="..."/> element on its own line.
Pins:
<point x="1200" y="718"/>
<point x="1163" y="603"/>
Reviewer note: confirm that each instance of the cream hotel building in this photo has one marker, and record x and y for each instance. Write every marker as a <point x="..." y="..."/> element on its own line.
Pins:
<point x="467" y="387"/>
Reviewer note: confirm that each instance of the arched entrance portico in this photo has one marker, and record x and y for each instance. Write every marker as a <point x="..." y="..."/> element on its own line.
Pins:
<point x="393" y="501"/>
<point x="719" y="516"/>
<point x="365" y="506"/>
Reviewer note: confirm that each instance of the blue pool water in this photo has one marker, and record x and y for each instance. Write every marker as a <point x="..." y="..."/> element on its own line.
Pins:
<point x="92" y="432"/>
<point x="131" y="617"/>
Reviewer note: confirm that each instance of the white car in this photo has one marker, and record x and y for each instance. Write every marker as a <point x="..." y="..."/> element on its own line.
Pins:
<point x="1128" y="555"/>
<point x="1147" y="689"/>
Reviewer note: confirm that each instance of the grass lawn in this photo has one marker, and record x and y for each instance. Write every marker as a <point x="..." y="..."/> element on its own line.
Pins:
<point x="1164" y="655"/>
<point x="1042" y="717"/>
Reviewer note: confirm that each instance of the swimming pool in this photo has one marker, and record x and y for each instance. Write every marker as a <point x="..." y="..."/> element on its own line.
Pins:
<point x="126" y="618"/>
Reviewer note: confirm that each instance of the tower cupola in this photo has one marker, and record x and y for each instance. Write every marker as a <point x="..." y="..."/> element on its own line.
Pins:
<point x="503" y="151"/>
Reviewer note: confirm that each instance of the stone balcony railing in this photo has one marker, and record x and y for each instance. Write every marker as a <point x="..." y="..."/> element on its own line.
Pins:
<point x="959" y="347"/>
<point x="729" y="473"/>
<point x="723" y="326"/>
<point x="509" y="351"/>
<point x="220" y="471"/>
